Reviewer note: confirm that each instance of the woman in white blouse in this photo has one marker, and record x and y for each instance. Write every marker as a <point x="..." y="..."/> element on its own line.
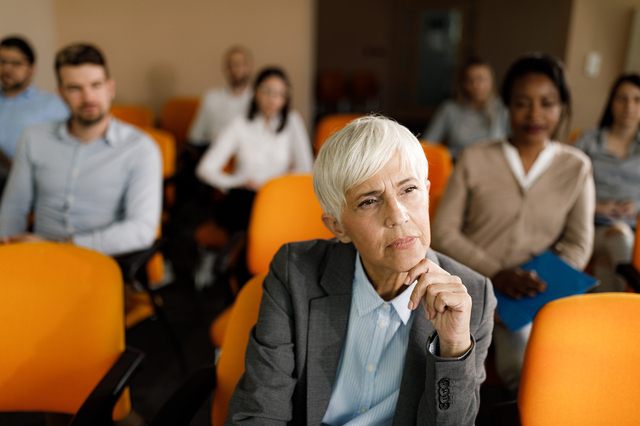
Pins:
<point x="268" y="142"/>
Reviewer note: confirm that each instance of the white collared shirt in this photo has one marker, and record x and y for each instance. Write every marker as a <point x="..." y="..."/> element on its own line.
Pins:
<point x="542" y="163"/>
<point x="261" y="153"/>
<point x="217" y="108"/>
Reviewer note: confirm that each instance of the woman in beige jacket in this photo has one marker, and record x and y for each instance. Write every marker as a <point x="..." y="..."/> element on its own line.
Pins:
<point x="509" y="200"/>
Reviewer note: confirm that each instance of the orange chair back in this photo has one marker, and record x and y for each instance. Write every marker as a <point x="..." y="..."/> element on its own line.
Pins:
<point x="635" y="259"/>
<point x="230" y="367"/>
<point x="137" y="115"/>
<point x="285" y="210"/>
<point x="329" y="125"/>
<point x="61" y="324"/>
<point x="581" y="362"/>
<point x="176" y="116"/>
<point x="167" y="143"/>
<point x="574" y="135"/>
<point x="440" y="168"/>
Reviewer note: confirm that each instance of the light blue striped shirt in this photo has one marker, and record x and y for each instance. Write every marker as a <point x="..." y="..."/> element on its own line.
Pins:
<point x="105" y="194"/>
<point x="26" y="109"/>
<point x="369" y="374"/>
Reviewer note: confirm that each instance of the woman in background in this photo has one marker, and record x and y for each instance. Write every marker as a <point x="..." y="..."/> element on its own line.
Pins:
<point x="268" y="142"/>
<point x="614" y="149"/>
<point x="476" y="113"/>
<point x="509" y="200"/>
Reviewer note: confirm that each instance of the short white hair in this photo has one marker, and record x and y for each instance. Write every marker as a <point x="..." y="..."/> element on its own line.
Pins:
<point x="359" y="151"/>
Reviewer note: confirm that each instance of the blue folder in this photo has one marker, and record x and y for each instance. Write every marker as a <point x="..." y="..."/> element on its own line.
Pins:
<point x="562" y="280"/>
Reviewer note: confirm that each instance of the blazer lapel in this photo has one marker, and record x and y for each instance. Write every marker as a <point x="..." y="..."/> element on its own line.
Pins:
<point x="328" y="320"/>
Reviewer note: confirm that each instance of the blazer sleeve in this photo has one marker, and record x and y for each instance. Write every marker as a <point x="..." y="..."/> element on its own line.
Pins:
<point x="263" y="395"/>
<point x="452" y="386"/>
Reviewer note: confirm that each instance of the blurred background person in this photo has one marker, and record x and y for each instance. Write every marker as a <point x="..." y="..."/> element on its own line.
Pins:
<point x="218" y="106"/>
<point x="614" y="149"/>
<point x="474" y="115"/>
<point x="269" y="141"/>
<point x="509" y="200"/>
<point x="21" y="103"/>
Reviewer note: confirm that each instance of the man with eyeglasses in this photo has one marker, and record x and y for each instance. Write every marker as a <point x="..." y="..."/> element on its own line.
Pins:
<point x="21" y="103"/>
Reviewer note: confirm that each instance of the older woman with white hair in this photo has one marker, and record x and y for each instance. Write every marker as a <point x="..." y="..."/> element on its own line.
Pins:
<point x="342" y="338"/>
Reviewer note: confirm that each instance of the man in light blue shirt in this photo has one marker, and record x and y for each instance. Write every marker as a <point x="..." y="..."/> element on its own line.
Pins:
<point x="21" y="104"/>
<point x="92" y="180"/>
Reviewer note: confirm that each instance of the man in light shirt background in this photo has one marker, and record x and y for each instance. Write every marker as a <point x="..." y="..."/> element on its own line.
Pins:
<point x="218" y="106"/>
<point x="21" y="103"/>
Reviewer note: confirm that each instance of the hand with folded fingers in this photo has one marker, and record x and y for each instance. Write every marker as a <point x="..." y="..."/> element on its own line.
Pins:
<point x="447" y="305"/>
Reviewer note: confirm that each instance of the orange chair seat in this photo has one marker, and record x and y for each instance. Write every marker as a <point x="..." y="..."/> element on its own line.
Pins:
<point x="211" y="236"/>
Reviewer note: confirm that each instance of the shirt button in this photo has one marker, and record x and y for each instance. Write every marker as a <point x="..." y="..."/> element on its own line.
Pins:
<point x="385" y="306"/>
<point x="70" y="198"/>
<point x="371" y="367"/>
<point x="382" y="324"/>
<point x="363" y="409"/>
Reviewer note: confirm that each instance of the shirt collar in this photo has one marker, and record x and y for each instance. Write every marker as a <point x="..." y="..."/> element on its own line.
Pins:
<point x="367" y="300"/>
<point x="540" y="165"/>
<point x="112" y="137"/>
<point x="633" y="149"/>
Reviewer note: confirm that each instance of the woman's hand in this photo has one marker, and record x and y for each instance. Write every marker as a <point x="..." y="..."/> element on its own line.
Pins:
<point x="625" y="209"/>
<point x="606" y="208"/>
<point x="446" y="303"/>
<point x="517" y="283"/>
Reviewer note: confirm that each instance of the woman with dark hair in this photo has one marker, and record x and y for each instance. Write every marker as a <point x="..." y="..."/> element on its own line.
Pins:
<point x="270" y="141"/>
<point x="474" y="115"/>
<point x="510" y="200"/>
<point x="614" y="149"/>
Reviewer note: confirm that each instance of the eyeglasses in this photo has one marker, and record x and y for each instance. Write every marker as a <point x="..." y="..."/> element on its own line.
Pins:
<point x="275" y="93"/>
<point x="15" y="64"/>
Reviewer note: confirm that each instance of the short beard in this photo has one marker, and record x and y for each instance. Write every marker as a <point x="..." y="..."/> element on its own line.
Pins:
<point x="239" y="83"/>
<point x="88" y="122"/>
<point x="16" y="87"/>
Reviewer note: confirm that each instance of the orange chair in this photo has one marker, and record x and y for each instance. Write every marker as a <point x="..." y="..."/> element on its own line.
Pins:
<point x="167" y="144"/>
<point x="277" y="218"/>
<point x="242" y="317"/>
<point x="176" y="116"/>
<point x="137" y="115"/>
<point x="574" y="135"/>
<point x="581" y="362"/>
<point x="62" y="329"/>
<point x="631" y="271"/>
<point x="329" y="125"/>
<point x="440" y="168"/>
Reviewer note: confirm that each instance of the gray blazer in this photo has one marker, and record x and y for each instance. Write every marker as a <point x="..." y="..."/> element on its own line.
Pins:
<point x="294" y="349"/>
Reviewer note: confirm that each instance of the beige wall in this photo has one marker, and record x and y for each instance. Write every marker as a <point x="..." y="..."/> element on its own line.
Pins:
<point x="603" y="27"/>
<point x="162" y="48"/>
<point x="33" y="20"/>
